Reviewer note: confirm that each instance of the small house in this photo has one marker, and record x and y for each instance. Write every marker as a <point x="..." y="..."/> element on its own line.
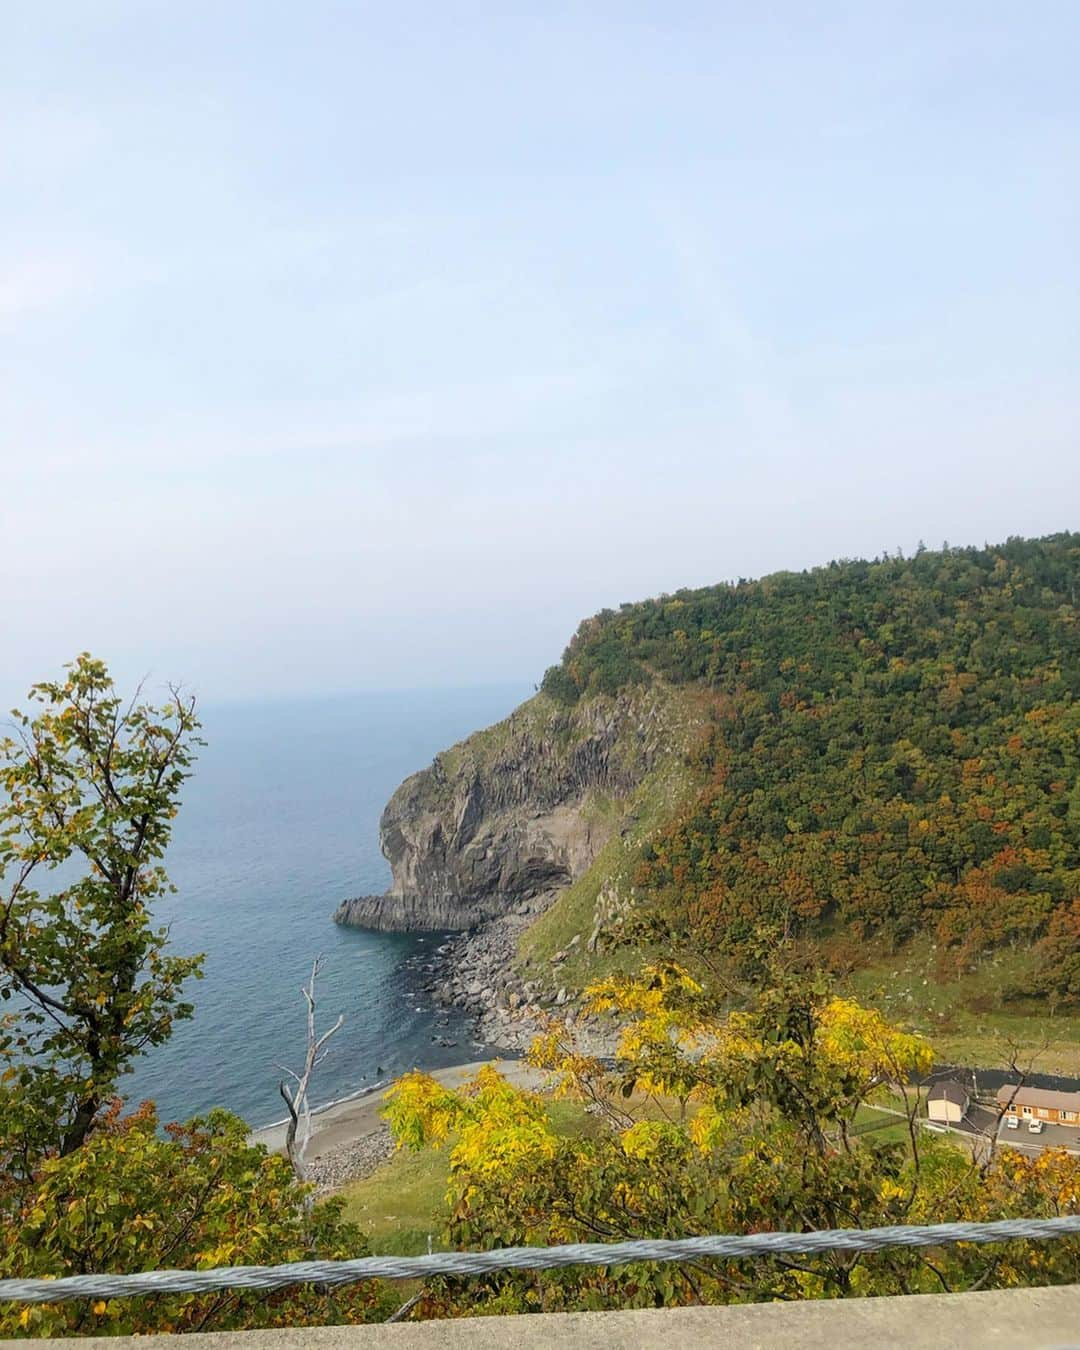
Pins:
<point x="1046" y="1104"/>
<point x="947" y="1101"/>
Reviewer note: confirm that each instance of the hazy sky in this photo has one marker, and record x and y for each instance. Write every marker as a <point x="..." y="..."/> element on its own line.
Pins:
<point x="369" y="345"/>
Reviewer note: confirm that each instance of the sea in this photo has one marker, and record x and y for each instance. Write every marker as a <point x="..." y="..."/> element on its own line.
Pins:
<point x="278" y="824"/>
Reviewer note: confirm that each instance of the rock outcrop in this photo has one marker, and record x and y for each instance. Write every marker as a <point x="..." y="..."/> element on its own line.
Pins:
<point x="516" y="810"/>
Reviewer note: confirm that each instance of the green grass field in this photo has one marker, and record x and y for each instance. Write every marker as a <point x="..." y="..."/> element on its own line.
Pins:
<point x="399" y="1204"/>
<point x="880" y="1126"/>
<point x="979" y="1018"/>
<point x="967" y="1019"/>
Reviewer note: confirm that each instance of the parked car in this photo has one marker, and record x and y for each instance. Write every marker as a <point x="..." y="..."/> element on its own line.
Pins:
<point x="1013" y="1122"/>
<point x="1035" y="1126"/>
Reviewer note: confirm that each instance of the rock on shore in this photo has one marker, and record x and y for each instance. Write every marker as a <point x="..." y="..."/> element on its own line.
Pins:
<point x="350" y="1161"/>
<point x="475" y="971"/>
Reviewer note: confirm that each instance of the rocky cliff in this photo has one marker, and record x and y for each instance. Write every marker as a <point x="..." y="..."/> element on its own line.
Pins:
<point x="518" y="809"/>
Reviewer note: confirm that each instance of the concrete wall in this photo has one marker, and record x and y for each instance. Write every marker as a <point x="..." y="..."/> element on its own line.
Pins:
<point x="1032" y="1318"/>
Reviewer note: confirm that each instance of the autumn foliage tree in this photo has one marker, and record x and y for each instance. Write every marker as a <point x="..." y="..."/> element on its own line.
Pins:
<point x="718" y="1121"/>
<point x="199" y="1195"/>
<point x="895" y="750"/>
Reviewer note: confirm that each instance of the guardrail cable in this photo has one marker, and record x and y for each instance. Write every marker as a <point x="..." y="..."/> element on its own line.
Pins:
<point x="530" y="1258"/>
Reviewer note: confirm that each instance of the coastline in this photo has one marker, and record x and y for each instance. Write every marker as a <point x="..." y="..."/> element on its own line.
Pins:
<point x="476" y="971"/>
<point x="353" y="1118"/>
<point x="473" y="971"/>
<point x="349" y="1138"/>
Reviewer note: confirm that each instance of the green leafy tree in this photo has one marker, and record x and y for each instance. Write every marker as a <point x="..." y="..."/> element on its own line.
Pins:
<point x="132" y="1199"/>
<point x="89" y="787"/>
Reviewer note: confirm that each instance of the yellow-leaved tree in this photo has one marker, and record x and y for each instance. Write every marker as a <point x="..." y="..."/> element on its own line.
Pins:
<point x="712" y="1120"/>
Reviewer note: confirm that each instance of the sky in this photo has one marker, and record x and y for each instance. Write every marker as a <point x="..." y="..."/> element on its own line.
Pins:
<point x="349" y="346"/>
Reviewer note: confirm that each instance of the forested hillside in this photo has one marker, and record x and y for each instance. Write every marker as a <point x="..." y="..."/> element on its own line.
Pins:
<point x="894" y="749"/>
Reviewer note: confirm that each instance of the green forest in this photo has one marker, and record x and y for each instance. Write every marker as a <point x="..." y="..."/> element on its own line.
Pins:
<point x="893" y="750"/>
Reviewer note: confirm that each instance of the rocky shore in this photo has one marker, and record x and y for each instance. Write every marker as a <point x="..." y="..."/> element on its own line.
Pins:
<point x="482" y="841"/>
<point x="350" y="1139"/>
<point x="476" y="972"/>
<point x="350" y="1161"/>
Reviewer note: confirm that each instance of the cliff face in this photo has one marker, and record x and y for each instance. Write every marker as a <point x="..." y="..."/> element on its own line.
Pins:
<point x="520" y="808"/>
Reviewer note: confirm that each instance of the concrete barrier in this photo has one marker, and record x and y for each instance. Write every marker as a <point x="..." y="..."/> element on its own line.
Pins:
<point x="1036" y="1319"/>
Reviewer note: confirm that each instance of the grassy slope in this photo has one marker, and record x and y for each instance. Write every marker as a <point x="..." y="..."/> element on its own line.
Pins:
<point x="540" y="720"/>
<point x="1003" y="616"/>
<point x="654" y="803"/>
<point x="397" y="1206"/>
<point x="966" y="1019"/>
<point x="533" y="718"/>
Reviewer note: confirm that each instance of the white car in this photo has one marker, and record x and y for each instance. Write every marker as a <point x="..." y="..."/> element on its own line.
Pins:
<point x="1012" y="1122"/>
<point x="1035" y="1126"/>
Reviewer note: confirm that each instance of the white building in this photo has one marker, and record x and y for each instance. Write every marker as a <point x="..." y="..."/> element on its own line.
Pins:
<point x="947" y="1102"/>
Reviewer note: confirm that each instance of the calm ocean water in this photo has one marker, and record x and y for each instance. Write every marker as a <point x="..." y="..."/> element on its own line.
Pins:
<point x="278" y="825"/>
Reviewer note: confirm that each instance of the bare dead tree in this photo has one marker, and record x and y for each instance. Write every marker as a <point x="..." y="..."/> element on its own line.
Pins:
<point x="296" y="1097"/>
